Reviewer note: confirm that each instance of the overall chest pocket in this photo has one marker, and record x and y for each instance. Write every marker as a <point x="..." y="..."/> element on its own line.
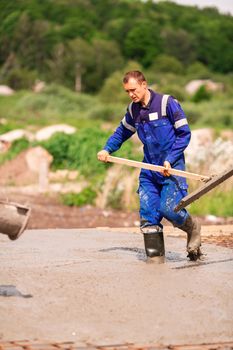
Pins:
<point x="159" y="131"/>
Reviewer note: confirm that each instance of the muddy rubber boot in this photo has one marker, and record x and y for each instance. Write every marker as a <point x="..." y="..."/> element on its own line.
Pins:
<point x="193" y="230"/>
<point x="154" y="242"/>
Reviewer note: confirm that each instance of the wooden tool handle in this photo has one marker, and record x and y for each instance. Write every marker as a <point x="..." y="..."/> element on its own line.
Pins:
<point x="157" y="168"/>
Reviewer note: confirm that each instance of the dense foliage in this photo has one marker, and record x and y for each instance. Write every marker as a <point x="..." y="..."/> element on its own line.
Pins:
<point x="80" y="43"/>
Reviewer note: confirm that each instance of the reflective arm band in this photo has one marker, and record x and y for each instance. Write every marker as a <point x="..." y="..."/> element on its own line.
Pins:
<point x="180" y="123"/>
<point x="127" y="125"/>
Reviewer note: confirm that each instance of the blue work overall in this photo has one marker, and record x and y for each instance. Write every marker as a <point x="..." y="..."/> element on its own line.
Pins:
<point x="163" y="129"/>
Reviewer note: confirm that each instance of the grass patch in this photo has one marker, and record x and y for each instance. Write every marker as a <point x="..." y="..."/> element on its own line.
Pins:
<point x="217" y="203"/>
<point x="86" y="196"/>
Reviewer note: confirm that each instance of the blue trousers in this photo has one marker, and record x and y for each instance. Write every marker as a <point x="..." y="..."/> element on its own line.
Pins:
<point x="159" y="200"/>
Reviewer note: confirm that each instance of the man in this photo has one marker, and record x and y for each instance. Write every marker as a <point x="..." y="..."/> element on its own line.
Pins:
<point x="163" y="129"/>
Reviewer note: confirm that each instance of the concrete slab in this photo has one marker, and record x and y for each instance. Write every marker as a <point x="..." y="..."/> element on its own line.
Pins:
<point x="96" y="286"/>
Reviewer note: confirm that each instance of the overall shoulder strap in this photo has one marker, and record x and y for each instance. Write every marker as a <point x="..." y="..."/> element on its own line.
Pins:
<point x="164" y="105"/>
<point x="130" y="109"/>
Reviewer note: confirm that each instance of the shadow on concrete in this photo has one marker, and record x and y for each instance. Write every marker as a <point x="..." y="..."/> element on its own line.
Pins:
<point x="12" y="291"/>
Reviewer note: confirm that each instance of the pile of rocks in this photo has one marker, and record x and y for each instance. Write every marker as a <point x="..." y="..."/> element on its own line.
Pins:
<point x="207" y="154"/>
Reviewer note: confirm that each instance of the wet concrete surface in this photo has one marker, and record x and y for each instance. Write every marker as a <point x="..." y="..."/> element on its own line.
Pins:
<point x="96" y="286"/>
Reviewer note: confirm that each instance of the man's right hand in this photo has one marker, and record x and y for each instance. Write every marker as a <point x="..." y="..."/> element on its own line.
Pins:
<point x="103" y="156"/>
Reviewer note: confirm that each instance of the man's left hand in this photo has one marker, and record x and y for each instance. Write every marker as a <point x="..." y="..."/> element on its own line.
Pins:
<point x="167" y="166"/>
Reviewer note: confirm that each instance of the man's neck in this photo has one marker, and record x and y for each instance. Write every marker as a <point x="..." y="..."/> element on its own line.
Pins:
<point x="146" y="98"/>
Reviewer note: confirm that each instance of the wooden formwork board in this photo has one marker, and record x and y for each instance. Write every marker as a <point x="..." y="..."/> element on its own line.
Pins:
<point x="214" y="182"/>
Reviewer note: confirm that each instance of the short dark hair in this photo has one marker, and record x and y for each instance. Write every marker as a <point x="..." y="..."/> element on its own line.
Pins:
<point x="136" y="74"/>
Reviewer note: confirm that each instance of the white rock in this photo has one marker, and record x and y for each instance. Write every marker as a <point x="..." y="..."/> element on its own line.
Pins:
<point x="210" y="85"/>
<point x="6" y="90"/>
<point x="207" y="156"/>
<point x="39" y="86"/>
<point x="16" y="134"/>
<point x="36" y="156"/>
<point x="47" y="132"/>
<point x="213" y="219"/>
<point x="202" y="136"/>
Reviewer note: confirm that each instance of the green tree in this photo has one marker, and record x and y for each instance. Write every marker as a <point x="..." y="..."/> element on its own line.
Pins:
<point x="180" y="44"/>
<point x="70" y="62"/>
<point x="7" y="32"/>
<point x="215" y="49"/>
<point x="35" y="32"/>
<point x="106" y="59"/>
<point x="143" y="43"/>
<point x="118" y="28"/>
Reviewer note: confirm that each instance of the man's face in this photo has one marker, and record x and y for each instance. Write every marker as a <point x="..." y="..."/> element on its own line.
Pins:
<point x="136" y="90"/>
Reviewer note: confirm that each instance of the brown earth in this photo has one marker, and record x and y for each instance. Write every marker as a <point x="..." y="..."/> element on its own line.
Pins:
<point x="16" y="172"/>
<point x="47" y="212"/>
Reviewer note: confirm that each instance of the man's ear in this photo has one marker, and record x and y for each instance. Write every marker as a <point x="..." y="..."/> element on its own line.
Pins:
<point x="144" y="84"/>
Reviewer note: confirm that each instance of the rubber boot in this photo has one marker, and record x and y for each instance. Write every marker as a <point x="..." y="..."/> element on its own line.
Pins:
<point x="154" y="242"/>
<point x="193" y="230"/>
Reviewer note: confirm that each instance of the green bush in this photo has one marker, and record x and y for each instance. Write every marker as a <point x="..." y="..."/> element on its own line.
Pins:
<point x="86" y="196"/>
<point x="165" y="63"/>
<point x="106" y="111"/>
<point x="83" y="150"/>
<point x="202" y="94"/>
<point x="79" y="150"/>
<point x="58" y="146"/>
<point x="198" y="70"/>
